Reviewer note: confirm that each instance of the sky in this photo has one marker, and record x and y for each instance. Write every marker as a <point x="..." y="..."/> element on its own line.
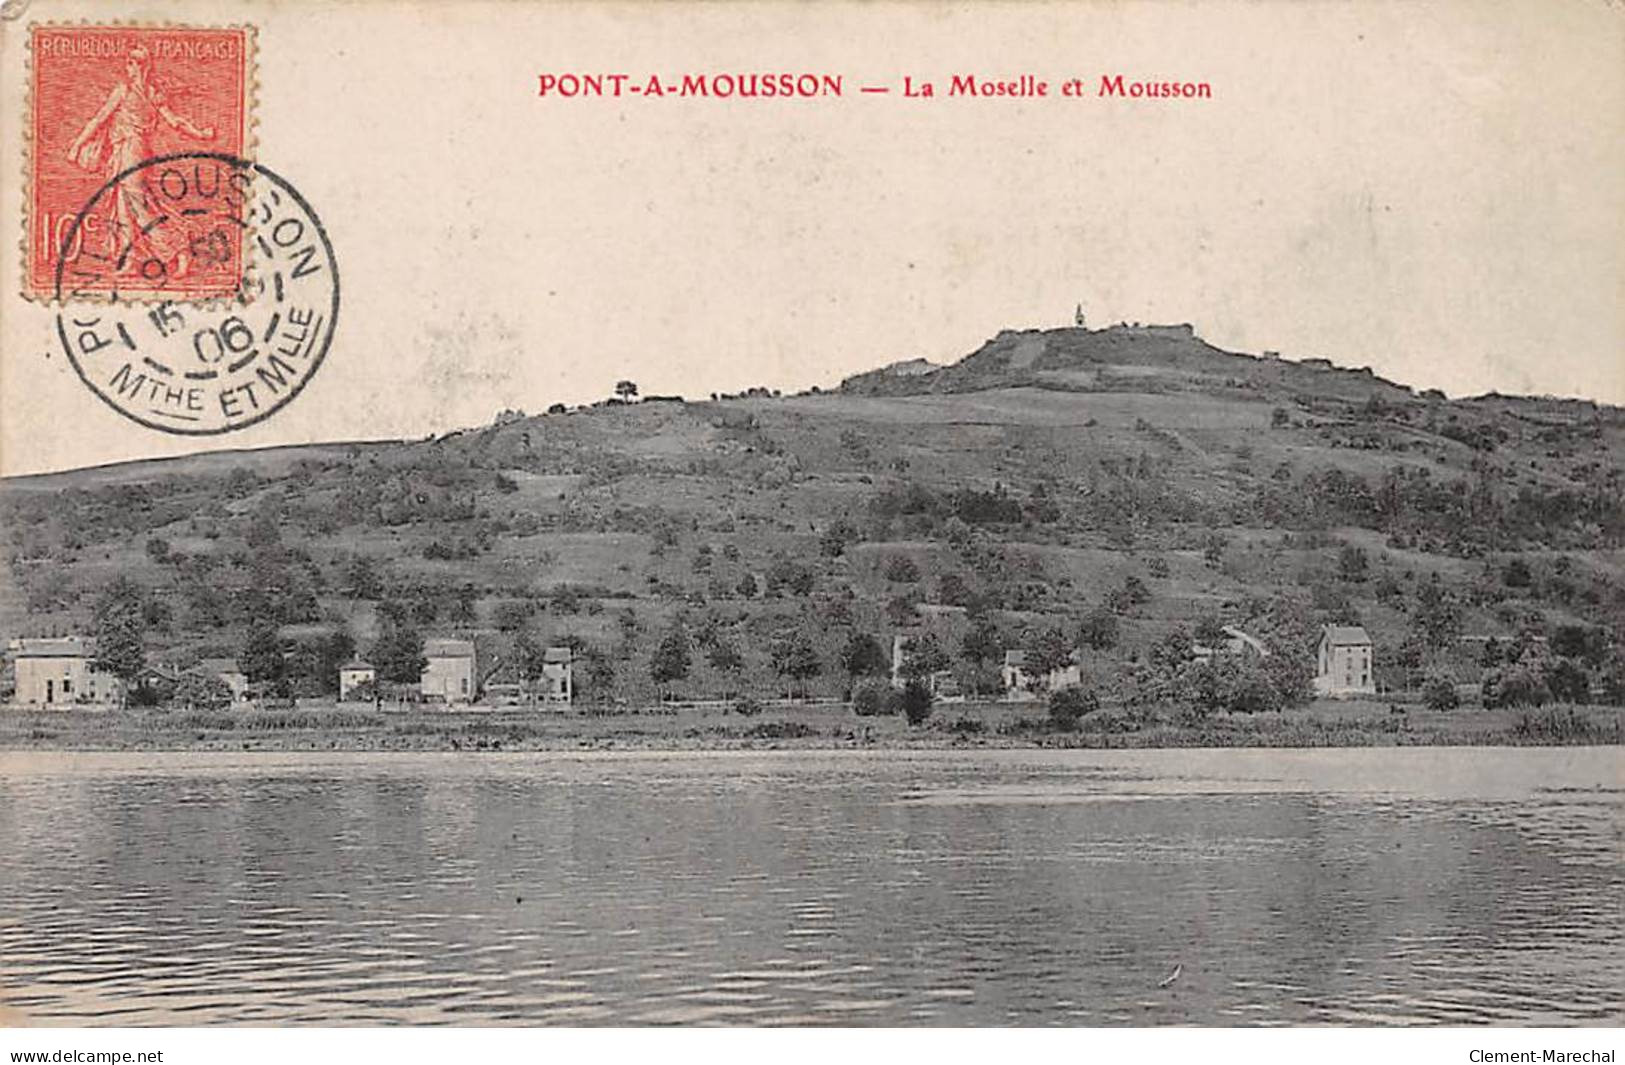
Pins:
<point x="1436" y="192"/>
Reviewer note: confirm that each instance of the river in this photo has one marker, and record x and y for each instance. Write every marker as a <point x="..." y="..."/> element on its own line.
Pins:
<point x="1220" y="887"/>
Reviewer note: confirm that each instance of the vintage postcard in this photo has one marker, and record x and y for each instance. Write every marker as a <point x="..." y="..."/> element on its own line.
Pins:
<point x="894" y="515"/>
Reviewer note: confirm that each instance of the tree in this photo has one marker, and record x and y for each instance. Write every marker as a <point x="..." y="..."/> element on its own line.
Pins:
<point x="981" y="643"/>
<point x="398" y="655"/>
<point x="1568" y="681"/>
<point x="862" y="656"/>
<point x="923" y="656"/>
<point x="1439" y="692"/>
<point x="1436" y="618"/>
<point x="119" y="632"/>
<point x="671" y="659"/>
<point x="874" y="698"/>
<point x="511" y="614"/>
<point x="1521" y="683"/>
<point x="600" y="675"/>
<point x="1352" y="564"/>
<point x="796" y="659"/>
<point x="362" y="579"/>
<point x="1582" y="642"/>
<point x="1209" y="632"/>
<point x="1132" y="594"/>
<point x="261" y="658"/>
<point x="916" y="702"/>
<point x="1067" y="705"/>
<point x="527" y="657"/>
<point x="788" y="575"/>
<point x="627" y="390"/>
<point x="313" y="663"/>
<point x="199" y="691"/>
<point x="833" y="540"/>
<point x="724" y="656"/>
<point x="462" y="606"/>
<point x="1516" y="574"/>
<point x="900" y="569"/>
<point x="158" y="549"/>
<point x="726" y="659"/>
<point x="902" y="609"/>
<point x="952" y="590"/>
<point x="747" y="586"/>
<point x="1048" y="652"/>
<point x="1099" y="629"/>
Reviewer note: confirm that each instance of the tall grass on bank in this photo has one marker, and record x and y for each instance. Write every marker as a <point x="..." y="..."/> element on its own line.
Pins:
<point x="1564" y="725"/>
<point x="264" y="720"/>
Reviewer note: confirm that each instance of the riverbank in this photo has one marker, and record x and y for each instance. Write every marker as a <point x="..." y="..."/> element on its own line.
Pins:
<point x="320" y="726"/>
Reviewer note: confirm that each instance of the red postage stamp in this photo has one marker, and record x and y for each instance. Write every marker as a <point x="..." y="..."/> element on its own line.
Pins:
<point x="107" y="99"/>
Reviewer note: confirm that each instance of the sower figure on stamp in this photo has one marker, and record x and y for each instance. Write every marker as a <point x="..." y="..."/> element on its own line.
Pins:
<point x="120" y="136"/>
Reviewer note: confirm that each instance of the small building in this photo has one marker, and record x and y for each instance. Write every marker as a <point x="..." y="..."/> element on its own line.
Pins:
<point x="558" y="675"/>
<point x="1019" y="684"/>
<point x="60" y="672"/>
<point x="352" y="675"/>
<point x="1343" y="662"/>
<point x="449" y="674"/>
<point x="229" y="673"/>
<point x="1236" y="644"/>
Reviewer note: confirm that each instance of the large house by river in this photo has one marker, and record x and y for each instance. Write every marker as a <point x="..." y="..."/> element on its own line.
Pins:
<point x="61" y="671"/>
<point x="450" y="673"/>
<point x="1343" y="662"/>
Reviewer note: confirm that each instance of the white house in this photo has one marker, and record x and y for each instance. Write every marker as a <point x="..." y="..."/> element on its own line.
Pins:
<point x="58" y="672"/>
<point x="449" y="674"/>
<point x="1019" y="685"/>
<point x="1343" y="662"/>
<point x="558" y="675"/>
<point x="352" y="675"/>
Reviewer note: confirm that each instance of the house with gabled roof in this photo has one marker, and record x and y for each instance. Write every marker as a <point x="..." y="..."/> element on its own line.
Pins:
<point x="558" y="675"/>
<point x="1020" y="683"/>
<point x="352" y="675"/>
<point x="449" y="674"/>
<point x="61" y="671"/>
<point x="228" y="672"/>
<point x="1343" y="663"/>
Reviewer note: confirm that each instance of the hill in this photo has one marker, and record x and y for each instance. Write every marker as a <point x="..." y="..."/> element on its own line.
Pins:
<point x="1047" y="480"/>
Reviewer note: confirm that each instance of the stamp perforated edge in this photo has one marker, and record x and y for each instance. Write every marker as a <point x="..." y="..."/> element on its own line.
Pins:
<point x="250" y="147"/>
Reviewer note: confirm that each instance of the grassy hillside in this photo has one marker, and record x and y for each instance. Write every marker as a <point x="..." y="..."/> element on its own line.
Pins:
<point x="1049" y="479"/>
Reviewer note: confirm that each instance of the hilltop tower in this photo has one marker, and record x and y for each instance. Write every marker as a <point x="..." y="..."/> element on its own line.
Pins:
<point x="1077" y="316"/>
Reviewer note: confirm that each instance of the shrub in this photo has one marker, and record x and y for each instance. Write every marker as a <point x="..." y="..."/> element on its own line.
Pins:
<point x="1519" y="684"/>
<point x="1069" y="704"/>
<point x="195" y="691"/>
<point x="967" y="726"/>
<point x="1568" y="681"/>
<point x="1439" y="693"/>
<point x="747" y="706"/>
<point x="874" y="698"/>
<point x="901" y="569"/>
<point x="916" y="702"/>
<point x="780" y="730"/>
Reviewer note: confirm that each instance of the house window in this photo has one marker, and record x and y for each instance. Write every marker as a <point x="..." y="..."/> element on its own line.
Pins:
<point x="465" y="685"/>
<point x="67" y="686"/>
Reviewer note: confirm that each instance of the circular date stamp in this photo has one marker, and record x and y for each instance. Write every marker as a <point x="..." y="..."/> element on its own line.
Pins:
<point x="201" y="367"/>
